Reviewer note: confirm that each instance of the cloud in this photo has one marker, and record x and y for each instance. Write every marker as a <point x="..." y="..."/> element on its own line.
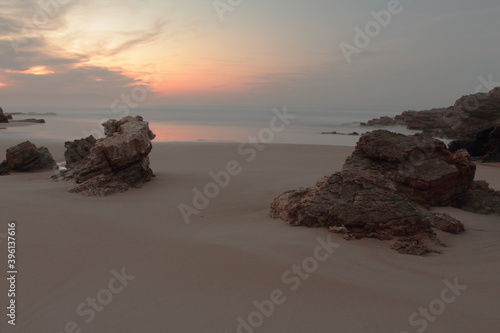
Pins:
<point x="34" y="37"/>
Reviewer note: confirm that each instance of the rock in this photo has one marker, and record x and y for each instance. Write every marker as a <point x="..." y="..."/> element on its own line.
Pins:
<point x="337" y="133"/>
<point x="27" y="157"/>
<point x="421" y="168"/>
<point x="446" y="223"/>
<point x="485" y="145"/>
<point x="114" y="163"/>
<point x="468" y="116"/>
<point x="382" y="121"/>
<point x="416" y="246"/>
<point x="3" y="117"/>
<point x="77" y="150"/>
<point x="383" y="192"/>
<point x="4" y="168"/>
<point x="481" y="199"/>
<point x="30" y="120"/>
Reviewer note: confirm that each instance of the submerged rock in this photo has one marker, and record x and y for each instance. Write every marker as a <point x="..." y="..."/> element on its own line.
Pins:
<point x="114" y="163"/>
<point x="383" y="192"/>
<point x="30" y="120"/>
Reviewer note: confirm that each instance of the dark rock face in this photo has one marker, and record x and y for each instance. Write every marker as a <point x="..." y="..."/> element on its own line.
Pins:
<point x="3" y="117"/>
<point x="4" y="168"/>
<point x="115" y="163"/>
<point x="77" y="150"/>
<point x="383" y="190"/>
<point x="27" y="157"/>
<point x="485" y="145"/>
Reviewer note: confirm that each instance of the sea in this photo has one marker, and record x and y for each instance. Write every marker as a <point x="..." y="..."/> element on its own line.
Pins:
<point x="204" y="124"/>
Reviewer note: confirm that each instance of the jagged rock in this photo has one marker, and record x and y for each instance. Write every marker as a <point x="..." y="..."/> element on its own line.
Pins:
<point x="421" y="168"/>
<point x="383" y="192"/>
<point x="468" y="116"/>
<point x="27" y="157"/>
<point x="118" y="161"/>
<point x="3" y="117"/>
<point x="77" y="150"/>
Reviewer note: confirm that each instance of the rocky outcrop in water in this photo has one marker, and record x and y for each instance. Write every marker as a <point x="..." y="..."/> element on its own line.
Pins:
<point x="114" y="163"/>
<point x="29" y="120"/>
<point x="384" y="190"/>
<point x="3" y="117"/>
<point x="27" y="157"/>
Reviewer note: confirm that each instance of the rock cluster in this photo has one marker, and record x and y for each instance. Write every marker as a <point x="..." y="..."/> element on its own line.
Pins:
<point x="474" y="121"/>
<point x="4" y="118"/>
<point x="114" y="163"/>
<point x="384" y="190"/>
<point x="469" y="115"/>
<point x="27" y="157"/>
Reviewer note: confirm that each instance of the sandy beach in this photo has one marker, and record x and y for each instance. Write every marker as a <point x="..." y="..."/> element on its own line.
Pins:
<point x="130" y="263"/>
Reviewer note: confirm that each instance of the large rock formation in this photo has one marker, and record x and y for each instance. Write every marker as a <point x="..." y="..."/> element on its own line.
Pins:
<point x="383" y="192"/>
<point x="3" y="117"/>
<point x="469" y="115"/>
<point x="27" y="157"/>
<point x="114" y="163"/>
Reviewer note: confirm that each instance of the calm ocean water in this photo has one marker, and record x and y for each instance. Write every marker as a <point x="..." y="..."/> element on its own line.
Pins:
<point x="172" y="124"/>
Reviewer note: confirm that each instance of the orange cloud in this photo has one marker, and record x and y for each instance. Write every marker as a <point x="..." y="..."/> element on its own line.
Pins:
<point x="37" y="70"/>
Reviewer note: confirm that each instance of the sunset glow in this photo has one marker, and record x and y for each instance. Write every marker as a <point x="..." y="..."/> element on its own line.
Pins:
<point x="282" y="52"/>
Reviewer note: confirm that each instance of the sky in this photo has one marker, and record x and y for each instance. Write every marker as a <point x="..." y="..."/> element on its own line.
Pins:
<point x="317" y="54"/>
